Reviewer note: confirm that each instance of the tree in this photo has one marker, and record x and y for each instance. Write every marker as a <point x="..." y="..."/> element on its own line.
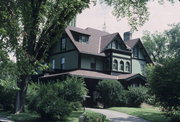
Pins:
<point x="174" y="38"/>
<point x="156" y="46"/>
<point x="30" y="27"/>
<point x="165" y="84"/>
<point x="162" y="46"/>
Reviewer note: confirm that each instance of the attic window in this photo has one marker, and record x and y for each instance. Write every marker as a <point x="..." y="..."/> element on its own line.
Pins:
<point x="83" y="39"/>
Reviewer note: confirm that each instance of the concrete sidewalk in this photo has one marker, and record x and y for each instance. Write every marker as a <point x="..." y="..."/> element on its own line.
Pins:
<point x="115" y="116"/>
<point x="2" y="119"/>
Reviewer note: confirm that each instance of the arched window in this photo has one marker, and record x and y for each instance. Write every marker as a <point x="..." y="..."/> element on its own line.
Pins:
<point x="128" y="66"/>
<point x="115" y="64"/>
<point x="122" y="65"/>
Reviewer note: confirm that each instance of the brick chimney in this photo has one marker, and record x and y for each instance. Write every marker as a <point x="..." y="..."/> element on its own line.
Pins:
<point x="127" y="36"/>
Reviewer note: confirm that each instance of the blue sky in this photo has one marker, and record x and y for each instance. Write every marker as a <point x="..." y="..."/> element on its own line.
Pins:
<point x="160" y="17"/>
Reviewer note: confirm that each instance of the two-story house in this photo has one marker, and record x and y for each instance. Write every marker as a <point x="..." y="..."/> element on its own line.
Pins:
<point x="96" y="55"/>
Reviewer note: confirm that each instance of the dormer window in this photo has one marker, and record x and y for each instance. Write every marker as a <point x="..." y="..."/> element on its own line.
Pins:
<point x="83" y="39"/>
<point x="135" y="52"/>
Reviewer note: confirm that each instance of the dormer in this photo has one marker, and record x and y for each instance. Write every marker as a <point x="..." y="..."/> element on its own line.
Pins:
<point x="80" y="37"/>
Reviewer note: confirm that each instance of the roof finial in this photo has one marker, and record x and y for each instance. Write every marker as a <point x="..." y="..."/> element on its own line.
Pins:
<point x="104" y="26"/>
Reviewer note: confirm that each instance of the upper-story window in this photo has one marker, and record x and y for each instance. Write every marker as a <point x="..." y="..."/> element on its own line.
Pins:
<point x="115" y="65"/>
<point x="115" y="44"/>
<point x="127" y="66"/>
<point x="121" y="65"/>
<point x="63" y="44"/>
<point x="62" y="63"/>
<point x="53" y="64"/>
<point x="83" y="39"/>
<point x="93" y="63"/>
<point x="135" y="52"/>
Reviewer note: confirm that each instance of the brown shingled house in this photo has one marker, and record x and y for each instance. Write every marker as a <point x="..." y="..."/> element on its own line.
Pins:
<point x="96" y="55"/>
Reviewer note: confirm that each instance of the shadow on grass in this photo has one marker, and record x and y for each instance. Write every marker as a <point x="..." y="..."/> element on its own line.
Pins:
<point x="154" y="117"/>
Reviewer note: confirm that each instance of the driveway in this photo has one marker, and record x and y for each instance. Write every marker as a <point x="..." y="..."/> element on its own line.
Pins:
<point x="115" y="116"/>
<point x="5" y="120"/>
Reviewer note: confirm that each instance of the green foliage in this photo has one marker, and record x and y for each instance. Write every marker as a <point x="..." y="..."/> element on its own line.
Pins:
<point x="7" y="98"/>
<point x="174" y="38"/>
<point x="55" y="100"/>
<point x="93" y="117"/>
<point x="136" y="95"/>
<point x="111" y="92"/>
<point x="165" y="84"/>
<point x="162" y="46"/>
<point x="74" y="89"/>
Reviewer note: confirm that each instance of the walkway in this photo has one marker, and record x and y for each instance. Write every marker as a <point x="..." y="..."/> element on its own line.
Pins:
<point x="115" y="116"/>
<point x="5" y="120"/>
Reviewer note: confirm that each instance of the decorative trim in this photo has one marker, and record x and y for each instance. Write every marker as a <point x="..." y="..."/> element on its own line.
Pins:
<point x="63" y="52"/>
<point x="121" y="57"/>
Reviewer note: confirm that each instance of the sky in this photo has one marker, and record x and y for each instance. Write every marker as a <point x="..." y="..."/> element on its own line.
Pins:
<point x="160" y="17"/>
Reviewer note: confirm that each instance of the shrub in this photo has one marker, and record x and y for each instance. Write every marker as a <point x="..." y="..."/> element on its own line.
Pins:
<point x="93" y="117"/>
<point x="111" y="92"/>
<point x="165" y="84"/>
<point x="136" y="95"/>
<point x="52" y="100"/>
<point x="7" y="98"/>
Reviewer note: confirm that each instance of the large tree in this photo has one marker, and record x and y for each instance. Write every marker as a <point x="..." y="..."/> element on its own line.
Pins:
<point x="30" y="27"/>
<point x="162" y="46"/>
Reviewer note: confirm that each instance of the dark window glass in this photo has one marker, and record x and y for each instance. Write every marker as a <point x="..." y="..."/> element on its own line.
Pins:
<point x="62" y="63"/>
<point x="122" y="65"/>
<point x="115" y="65"/>
<point x="128" y="66"/>
<point x="63" y="44"/>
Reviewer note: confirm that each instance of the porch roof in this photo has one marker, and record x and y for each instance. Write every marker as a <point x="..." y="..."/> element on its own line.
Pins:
<point x="95" y="75"/>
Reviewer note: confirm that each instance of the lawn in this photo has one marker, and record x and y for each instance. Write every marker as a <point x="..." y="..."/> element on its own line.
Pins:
<point x="150" y="114"/>
<point x="30" y="117"/>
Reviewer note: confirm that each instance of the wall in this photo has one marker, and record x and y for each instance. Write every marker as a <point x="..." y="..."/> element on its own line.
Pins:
<point x="56" y="47"/>
<point x="137" y="66"/>
<point x="86" y="62"/>
<point x="121" y="57"/>
<point x="71" y="60"/>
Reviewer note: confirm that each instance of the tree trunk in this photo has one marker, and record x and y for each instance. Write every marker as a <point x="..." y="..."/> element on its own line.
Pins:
<point x="21" y="94"/>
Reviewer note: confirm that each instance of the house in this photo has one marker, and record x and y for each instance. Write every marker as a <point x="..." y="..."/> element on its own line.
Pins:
<point x="96" y="55"/>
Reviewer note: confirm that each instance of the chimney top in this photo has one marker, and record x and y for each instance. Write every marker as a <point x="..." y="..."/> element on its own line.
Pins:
<point x="127" y="36"/>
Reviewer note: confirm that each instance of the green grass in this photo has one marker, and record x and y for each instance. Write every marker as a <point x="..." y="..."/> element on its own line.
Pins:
<point x="74" y="116"/>
<point x="150" y="114"/>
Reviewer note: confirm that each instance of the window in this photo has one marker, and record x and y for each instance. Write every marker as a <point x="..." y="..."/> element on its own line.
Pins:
<point x="115" y="65"/>
<point x="135" y="51"/>
<point x="62" y="63"/>
<point x="121" y="65"/>
<point x="63" y="44"/>
<point x="93" y="63"/>
<point x="114" y="45"/>
<point x="143" y="69"/>
<point x="53" y="64"/>
<point x="83" y="39"/>
<point x="128" y="66"/>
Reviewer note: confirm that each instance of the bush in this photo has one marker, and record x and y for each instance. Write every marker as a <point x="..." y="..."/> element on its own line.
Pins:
<point x="165" y="84"/>
<point x="93" y="117"/>
<point x="54" y="100"/>
<point x="111" y="92"/>
<point x="136" y="95"/>
<point x="7" y="98"/>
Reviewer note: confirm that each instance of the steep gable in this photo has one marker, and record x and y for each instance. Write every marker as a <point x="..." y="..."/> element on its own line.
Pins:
<point x="134" y="43"/>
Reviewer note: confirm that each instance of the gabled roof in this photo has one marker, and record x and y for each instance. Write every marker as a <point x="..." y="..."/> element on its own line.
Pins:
<point x="132" y="43"/>
<point x="98" y="40"/>
<point x="94" y="40"/>
<point x="105" y="40"/>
